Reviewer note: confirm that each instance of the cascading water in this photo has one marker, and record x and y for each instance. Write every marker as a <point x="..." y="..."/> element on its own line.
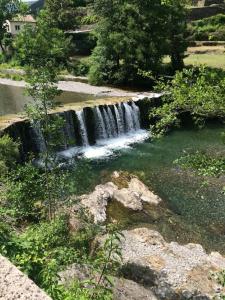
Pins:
<point x="107" y="123"/>
<point x="119" y="120"/>
<point x="101" y="132"/>
<point x="110" y="126"/>
<point x="129" y="120"/>
<point x="112" y="122"/>
<point x="101" y="129"/>
<point x="136" y="115"/>
<point x="83" y="128"/>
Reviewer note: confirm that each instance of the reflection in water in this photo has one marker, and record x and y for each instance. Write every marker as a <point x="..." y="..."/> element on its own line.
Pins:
<point x="194" y="209"/>
<point x="13" y="99"/>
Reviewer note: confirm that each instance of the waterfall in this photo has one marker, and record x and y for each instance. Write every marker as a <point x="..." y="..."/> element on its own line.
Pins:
<point x="112" y="122"/>
<point x="119" y="120"/>
<point x="68" y="129"/>
<point x="130" y="126"/>
<point x="136" y="115"/>
<point x="126" y="119"/>
<point x="83" y="128"/>
<point x="107" y="123"/>
<point x="101" y="132"/>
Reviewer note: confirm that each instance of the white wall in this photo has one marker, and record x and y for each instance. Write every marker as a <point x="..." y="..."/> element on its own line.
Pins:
<point x="15" y="27"/>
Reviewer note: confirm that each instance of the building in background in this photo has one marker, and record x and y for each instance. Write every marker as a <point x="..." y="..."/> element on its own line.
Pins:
<point x="15" y="25"/>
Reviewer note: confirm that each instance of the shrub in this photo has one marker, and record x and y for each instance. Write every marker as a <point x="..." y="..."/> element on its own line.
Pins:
<point x="197" y="91"/>
<point x="211" y="28"/>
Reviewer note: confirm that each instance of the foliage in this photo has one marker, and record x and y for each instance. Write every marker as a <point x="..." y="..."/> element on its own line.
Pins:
<point x="176" y="32"/>
<point x="9" y="153"/>
<point x="203" y="164"/>
<point x="133" y="36"/>
<point x="41" y="46"/>
<point x="197" y="91"/>
<point x="208" y="29"/>
<point x="61" y="14"/>
<point x="45" y="249"/>
<point x="80" y="67"/>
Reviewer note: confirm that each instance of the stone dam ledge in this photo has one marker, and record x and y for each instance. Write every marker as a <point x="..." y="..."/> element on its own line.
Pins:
<point x="103" y="96"/>
<point x="83" y="88"/>
<point x="16" y="285"/>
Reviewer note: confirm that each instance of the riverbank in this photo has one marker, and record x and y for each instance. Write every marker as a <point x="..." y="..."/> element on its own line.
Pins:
<point x="75" y="96"/>
<point x="84" y="88"/>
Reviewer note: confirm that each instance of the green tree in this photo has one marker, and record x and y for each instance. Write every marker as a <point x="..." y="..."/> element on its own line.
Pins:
<point x="135" y="35"/>
<point x="42" y="46"/>
<point x="176" y="31"/>
<point x="62" y="14"/>
<point x="43" y="51"/>
<point x="9" y="153"/>
<point x="130" y="38"/>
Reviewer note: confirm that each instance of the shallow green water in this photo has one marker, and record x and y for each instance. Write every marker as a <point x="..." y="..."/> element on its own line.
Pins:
<point x="13" y="99"/>
<point x="192" y="211"/>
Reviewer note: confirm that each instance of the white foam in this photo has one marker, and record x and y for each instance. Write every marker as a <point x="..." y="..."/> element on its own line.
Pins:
<point x="104" y="148"/>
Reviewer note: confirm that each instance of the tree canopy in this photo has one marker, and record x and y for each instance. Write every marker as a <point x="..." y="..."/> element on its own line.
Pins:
<point x="135" y="35"/>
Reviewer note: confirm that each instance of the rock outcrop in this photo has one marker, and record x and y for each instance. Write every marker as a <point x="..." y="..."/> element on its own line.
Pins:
<point x="131" y="197"/>
<point x="171" y="270"/>
<point x="123" y="289"/>
<point x="15" y="285"/>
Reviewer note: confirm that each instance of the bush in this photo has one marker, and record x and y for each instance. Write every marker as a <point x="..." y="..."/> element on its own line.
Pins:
<point x="9" y="154"/>
<point x="203" y="164"/>
<point x="197" y="91"/>
<point x="80" y="67"/>
<point x="212" y="28"/>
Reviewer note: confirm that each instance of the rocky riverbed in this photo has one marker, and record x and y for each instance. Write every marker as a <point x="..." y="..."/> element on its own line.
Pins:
<point x="151" y="269"/>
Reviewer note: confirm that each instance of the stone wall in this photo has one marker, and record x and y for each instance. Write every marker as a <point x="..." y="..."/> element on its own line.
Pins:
<point x="202" y="3"/>
<point x="198" y="13"/>
<point x="15" y="285"/>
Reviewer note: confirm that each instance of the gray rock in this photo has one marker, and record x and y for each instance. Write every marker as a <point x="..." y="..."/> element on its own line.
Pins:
<point x="172" y="271"/>
<point x="131" y="197"/>
<point x="15" y="285"/>
<point x="123" y="289"/>
<point x="96" y="202"/>
<point x="144" y="193"/>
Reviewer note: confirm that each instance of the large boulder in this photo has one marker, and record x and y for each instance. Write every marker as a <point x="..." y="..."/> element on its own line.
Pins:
<point x="171" y="270"/>
<point x="16" y="285"/>
<point x="132" y="197"/>
<point x="96" y="202"/>
<point x="144" y="193"/>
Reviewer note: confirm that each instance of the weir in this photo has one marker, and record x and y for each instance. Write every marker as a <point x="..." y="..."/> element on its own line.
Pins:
<point x="87" y="127"/>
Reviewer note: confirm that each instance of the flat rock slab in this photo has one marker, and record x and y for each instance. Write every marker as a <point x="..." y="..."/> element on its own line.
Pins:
<point x="173" y="271"/>
<point x="15" y="285"/>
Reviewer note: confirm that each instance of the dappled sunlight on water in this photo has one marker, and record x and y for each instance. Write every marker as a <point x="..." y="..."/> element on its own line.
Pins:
<point x="193" y="208"/>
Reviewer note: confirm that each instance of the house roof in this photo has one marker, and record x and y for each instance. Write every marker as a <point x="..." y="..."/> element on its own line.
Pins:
<point x="26" y="18"/>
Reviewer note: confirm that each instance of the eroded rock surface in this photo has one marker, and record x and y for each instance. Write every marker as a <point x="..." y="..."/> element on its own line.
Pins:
<point x="131" y="197"/>
<point x="172" y="271"/>
<point x="15" y="285"/>
<point x="123" y="289"/>
<point x="97" y="201"/>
